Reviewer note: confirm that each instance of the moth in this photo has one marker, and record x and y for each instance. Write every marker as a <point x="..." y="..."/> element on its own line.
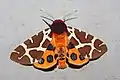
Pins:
<point x="59" y="46"/>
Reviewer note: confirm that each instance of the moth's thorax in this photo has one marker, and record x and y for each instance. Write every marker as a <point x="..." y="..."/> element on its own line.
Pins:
<point x="58" y="26"/>
<point x="60" y="40"/>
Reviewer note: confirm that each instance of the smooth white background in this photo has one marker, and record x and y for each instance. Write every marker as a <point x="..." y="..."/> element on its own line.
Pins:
<point x="19" y="19"/>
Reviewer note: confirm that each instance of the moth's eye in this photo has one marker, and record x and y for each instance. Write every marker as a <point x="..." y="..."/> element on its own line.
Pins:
<point x="50" y="47"/>
<point x="81" y="57"/>
<point x="73" y="56"/>
<point x="50" y="58"/>
<point x="70" y="45"/>
<point x="41" y="61"/>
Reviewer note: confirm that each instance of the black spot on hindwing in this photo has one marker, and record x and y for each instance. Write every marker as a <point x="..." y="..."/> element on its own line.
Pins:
<point x="67" y="54"/>
<point x="55" y="56"/>
<point x="81" y="57"/>
<point x="73" y="56"/>
<point x="50" y="47"/>
<point x="49" y="58"/>
<point x="41" y="61"/>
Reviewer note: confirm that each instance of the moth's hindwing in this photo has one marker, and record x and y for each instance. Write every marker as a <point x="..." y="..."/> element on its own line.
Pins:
<point x="47" y="61"/>
<point x="86" y="47"/>
<point x="75" y="58"/>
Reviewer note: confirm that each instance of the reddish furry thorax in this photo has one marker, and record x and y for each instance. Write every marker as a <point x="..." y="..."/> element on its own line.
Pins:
<point x="58" y="26"/>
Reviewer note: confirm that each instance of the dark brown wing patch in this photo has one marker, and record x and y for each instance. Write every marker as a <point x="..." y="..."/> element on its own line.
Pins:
<point x="14" y="56"/>
<point x="36" y="40"/>
<point x="85" y="50"/>
<point x="100" y="49"/>
<point x="21" y="50"/>
<point x="81" y="36"/>
<point x="46" y="43"/>
<point x="24" y="60"/>
<point x="36" y="54"/>
<point x="74" y="41"/>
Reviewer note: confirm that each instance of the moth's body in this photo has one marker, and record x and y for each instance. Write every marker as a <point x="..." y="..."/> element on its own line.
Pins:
<point x="59" y="46"/>
<point x="60" y="41"/>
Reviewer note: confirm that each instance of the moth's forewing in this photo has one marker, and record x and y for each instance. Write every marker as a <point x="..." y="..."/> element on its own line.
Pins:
<point x="31" y="49"/>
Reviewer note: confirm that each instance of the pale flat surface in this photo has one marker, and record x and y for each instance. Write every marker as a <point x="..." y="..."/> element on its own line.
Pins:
<point x="19" y="19"/>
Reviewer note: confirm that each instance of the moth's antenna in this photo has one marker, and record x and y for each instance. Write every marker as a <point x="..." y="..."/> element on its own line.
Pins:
<point x="69" y="19"/>
<point x="46" y="23"/>
<point x="47" y="14"/>
<point x="46" y="18"/>
<point x="69" y="14"/>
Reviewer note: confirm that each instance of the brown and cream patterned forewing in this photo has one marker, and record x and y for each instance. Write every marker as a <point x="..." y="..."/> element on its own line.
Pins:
<point x="32" y="49"/>
<point x="87" y="45"/>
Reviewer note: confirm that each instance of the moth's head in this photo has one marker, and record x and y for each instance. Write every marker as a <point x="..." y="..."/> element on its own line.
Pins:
<point x="58" y="26"/>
